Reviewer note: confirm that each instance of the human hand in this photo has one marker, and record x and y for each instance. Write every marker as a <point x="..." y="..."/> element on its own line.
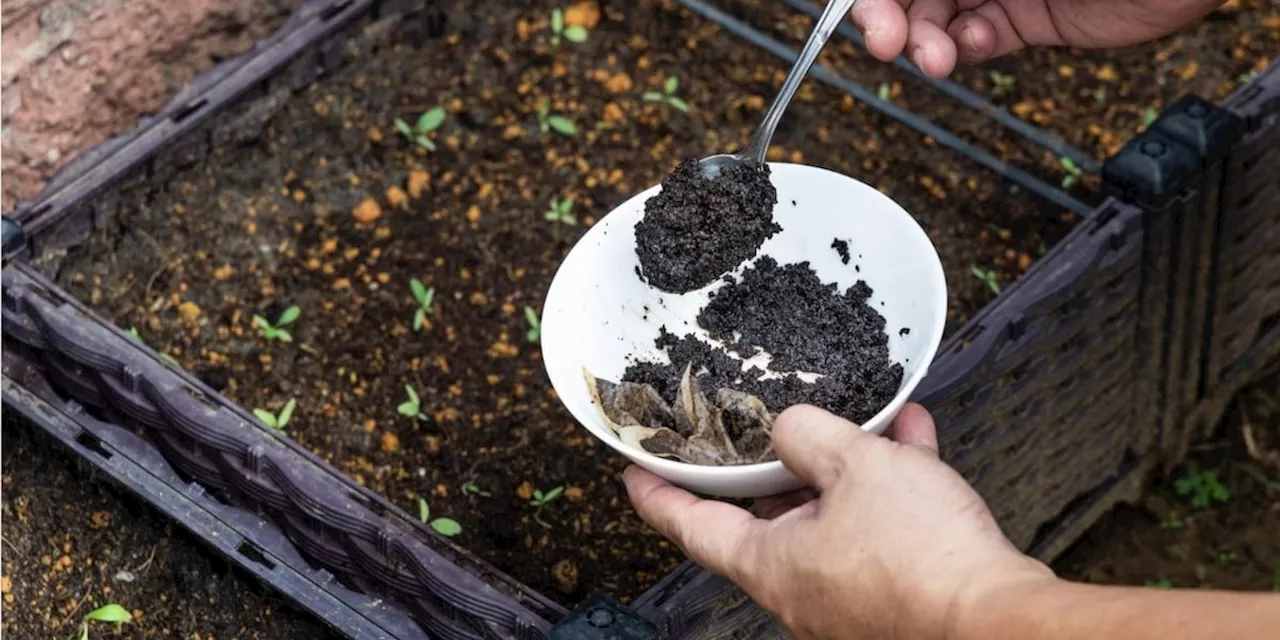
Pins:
<point x="935" y="34"/>
<point x="898" y="544"/>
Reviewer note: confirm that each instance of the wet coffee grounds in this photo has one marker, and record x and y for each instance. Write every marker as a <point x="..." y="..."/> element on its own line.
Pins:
<point x="696" y="229"/>
<point x="842" y="248"/>
<point x="804" y="325"/>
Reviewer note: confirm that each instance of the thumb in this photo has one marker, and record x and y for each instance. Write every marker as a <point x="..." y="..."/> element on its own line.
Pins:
<point x="814" y="444"/>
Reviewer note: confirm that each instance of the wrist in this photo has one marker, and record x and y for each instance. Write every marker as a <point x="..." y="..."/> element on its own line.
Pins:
<point x="979" y="609"/>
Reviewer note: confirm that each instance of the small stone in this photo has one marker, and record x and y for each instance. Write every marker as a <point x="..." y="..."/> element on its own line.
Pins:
<point x="433" y="444"/>
<point x="390" y="442"/>
<point x="367" y="211"/>
<point x="473" y="214"/>
<point x="565" y="573"/>
<point x="613" y="113"/>
<point x="618" y="84"/>
<point x="418" y="182"/>
<point x="396" y="197"/>
<point x="189" y="311"/>
<point x="125" y="576"/>
<point x="583" y="14"/>
<point x="525" y="491"/>
<point x="223" y="272"/>
<point x="574" y="494"/>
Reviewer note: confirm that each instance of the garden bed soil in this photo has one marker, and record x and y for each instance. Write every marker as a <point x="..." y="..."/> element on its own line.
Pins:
<point x="331" y="210"/>
<point x="72" y="544"/>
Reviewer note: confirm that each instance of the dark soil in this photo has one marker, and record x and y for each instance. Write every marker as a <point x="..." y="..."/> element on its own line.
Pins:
<point x="837" y="335"/>
<point x="842" y="249"/>
<point x="330" y="210"/>
<point x="698" y="228"/>
<point x="73" y="544"/>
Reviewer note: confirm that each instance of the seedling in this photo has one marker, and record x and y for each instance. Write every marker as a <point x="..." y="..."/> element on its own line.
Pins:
<point x="541" y="500"/>
<point x="561" y="211"/>
<point x="106" y="613"/>
<point x="277" y="331"/>
<point x="535" y="325"/>
<point x="443" y="526"/>
<point x="1203" y="487"/>
<point x="1171" y="522"/>
<point x="429" y="121"/>
<point x="885" y="91"/>
<point x="1003" y="82"/>
<point x="133" y="333"/>
<point x="1162" y="583"/>
<point x="1248" y="76"/>
<point x="668" y="95"/>
<point x="424" y="296"/>
<point x="277" y="421"/>
<point x="988" y="276"/>
<point x="572" y="33"/>
<point x="411" y="408"/>
<point x="1100" y="95"/>
<point x="1149" y="117"/>
<point x="1073" y="172"/>
<point x="1227" y="556"/>
<point x="548" y="121"/>
<point x="472" y="489"/>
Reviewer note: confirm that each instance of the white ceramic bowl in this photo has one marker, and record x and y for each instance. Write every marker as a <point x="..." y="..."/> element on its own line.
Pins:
<point x="598" y="311"/>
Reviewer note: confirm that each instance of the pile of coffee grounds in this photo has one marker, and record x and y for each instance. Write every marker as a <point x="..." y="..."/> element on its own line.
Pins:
<point x="696" y="228"/>
<point x="804" y="325"/>
<point x="842" y="248"/>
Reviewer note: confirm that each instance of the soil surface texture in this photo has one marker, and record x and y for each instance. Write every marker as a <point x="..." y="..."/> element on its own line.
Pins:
<point x="697" y="228"/>
<point x="327" y="208"/>
<point x="803" y="325"/>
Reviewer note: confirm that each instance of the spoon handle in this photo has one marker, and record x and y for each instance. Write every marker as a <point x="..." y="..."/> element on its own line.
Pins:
<point x="835" y="12"/>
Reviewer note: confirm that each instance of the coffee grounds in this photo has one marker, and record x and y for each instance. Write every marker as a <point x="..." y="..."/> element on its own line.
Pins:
<point x="697" y="228"/>
<point x="803" y="325"/>
<point x="842" y="248"/>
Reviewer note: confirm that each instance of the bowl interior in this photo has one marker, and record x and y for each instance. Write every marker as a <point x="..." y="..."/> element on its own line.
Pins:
<point x="598" y="314"/>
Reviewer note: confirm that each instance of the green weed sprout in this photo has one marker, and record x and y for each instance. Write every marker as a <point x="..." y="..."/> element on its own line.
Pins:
<point x="277" y="331"/>
<point x="133" y="333"/>
<point x="1162" y="583"/>
<point x="472" y="489"/>
<point x="429" y="121"/>
<point x="1149" y="117"/>
<point x="535" y="325"/>
<point x="277" y="421"/>
<point x="572" y="33"/>
<point x="1003" y="82"/>
<point x="443" y="526"/>
<point x="541" y="500"/>
<point x="411" y="408"/>
<point x="548" y="121"/>
<point x="668" y="95"/>
<point x="884" y="92"/>
<point x="106" y="613"/>
<point x="1073" y="172"/>
<point x="988" y="276"/>
<point x="1203" y="487"/>
<point x="424" y="296"/>
<point x="561" y="211"/>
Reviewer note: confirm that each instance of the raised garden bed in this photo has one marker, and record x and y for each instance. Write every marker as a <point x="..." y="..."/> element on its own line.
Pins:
<point x="304" y="194"/>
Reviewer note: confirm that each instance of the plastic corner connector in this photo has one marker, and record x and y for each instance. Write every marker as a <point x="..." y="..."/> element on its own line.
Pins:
<point x="601" y="617"/>
<point x="1202" y="126"/>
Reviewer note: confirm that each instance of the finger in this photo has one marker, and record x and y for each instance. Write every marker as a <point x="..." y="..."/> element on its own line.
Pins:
<point x="814" y="444"/>
<point x="883" y="24"/>
<point x="928" y="44"/>
<point x="914" y="426"/>
<point x="774" y="506"/>
<point x="712" y="533"/>
<point x="984" y="33"/>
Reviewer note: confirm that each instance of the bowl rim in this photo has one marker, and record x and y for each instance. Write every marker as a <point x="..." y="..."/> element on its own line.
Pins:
<point x="880" y="420"/>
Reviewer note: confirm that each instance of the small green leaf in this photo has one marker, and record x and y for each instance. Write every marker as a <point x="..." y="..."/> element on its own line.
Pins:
<point x="1149" y="117"/>
<point x="289" y="316"/>
<point x="553" y="494"/>
<point x="407" y="409"/>
<point x="557" y="21"/>
<point x="575" y="34"/>
<point x="653" y="96"/>
<point x="171" y="360"/>
<point x="544" y="108"/>
<point x="537" y="495"/>
<point x="425" y="143"/>
<point x="1068" y="180"/>
<point x="413" y="395"/>
<point x="262" y="323"/>
<point x="678" y="103"/>
<point x="884" y="91"/>
<point x="266" y="417"/>
<point x="424" y="511"/>
<point x="671" y="85"/>
<point x="404" y="128"/>
<point x="286" y="413"/>
<point x="110" y="613"/>
<point x="133" y="331"/>
<point x="282" y="335"/>
<point x="419" y="318"/>
<point x="419" y="291"/>
<point x="430" y="120"/>
<point x="446" y="526"/>
<point x="563" y="125"/>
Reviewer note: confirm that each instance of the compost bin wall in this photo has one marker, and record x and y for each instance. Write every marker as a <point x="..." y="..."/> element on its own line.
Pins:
<point x="1054" y="401"/>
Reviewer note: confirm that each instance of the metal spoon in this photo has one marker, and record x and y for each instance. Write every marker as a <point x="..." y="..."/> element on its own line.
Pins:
<point x="759" y="144"/>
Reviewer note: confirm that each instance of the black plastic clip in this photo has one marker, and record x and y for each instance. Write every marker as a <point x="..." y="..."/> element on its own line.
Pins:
<point x="14" y="239"/>
<point x="601" y="617"/>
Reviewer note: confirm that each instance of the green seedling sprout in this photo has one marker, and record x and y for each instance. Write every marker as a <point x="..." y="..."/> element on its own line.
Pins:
<point x="885" y="91"/>
<point x="472" y="489"/>
<point x="548" y="121"/>
<point x="668" y="95"/>
<point x="1100" y="95"/>
<point x="411" y="408"/>
<point x="429" y="121"/>
<point x="277" y="331"/>
<point x="277" y="421"/>
<point x="1203" y="487"/>
<point x="1248" y="76"/>
<point x="535" y="325"/>
<point x="133" y="333"/>
<point x="1149" y="117"/>
<point x="424" y="296"/>
<point x="541" y="500"/>
<point x="572" y="33"/>
<point x="1172" y="521"/>
<point x="106" y="613"/>
<point x="1003" y="82"/>
<point x="1073" y="172"/>
<point x="443" y="526"/>
<point x="561" y="211"/>
<point x="1162" y="583"/>
<point x="988" y="276"/>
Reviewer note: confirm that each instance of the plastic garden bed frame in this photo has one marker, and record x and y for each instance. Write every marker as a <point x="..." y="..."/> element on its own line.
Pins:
<point x="1098" y="366"/>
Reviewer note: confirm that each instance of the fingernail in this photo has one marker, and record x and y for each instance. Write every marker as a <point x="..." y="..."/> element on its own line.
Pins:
<point x="969" y="38"/>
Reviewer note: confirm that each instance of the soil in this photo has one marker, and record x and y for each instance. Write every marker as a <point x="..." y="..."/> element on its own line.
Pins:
<point x="332" y="211"/>
<point x="699" y="228"/>
<point x="72" y="544"/>
<point x="839" y="337"/>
